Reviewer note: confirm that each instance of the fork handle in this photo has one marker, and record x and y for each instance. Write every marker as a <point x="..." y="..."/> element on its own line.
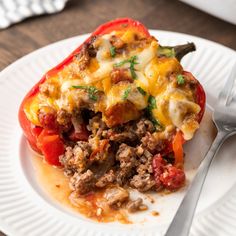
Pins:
<point x="182" y="220"/>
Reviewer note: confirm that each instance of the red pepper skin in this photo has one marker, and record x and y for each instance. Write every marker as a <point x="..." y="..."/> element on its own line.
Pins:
<point x="27" y="127"/>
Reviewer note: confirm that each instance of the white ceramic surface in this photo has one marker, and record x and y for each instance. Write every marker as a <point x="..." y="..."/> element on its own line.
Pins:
<point x="223" y="9"/>
<point x="26" y="209"/>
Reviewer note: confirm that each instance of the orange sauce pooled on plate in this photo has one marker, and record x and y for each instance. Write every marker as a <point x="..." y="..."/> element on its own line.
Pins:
<point x="92" y="205"/>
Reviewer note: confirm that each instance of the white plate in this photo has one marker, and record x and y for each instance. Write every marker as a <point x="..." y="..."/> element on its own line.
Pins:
<point x="25" y="208"/>
<point x="224" y="11"/>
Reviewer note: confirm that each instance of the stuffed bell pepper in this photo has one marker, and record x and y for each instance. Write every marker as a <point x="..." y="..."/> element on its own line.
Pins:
<point x="116" y="111"/>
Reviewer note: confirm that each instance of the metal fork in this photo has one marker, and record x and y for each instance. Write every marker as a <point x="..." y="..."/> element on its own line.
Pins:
<point x="224" y="119"/>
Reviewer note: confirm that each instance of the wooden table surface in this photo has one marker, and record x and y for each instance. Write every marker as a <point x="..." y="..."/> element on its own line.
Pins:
<point x="83" y="16"/>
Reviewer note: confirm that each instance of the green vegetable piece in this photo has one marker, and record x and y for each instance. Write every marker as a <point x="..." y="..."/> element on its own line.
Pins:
<point x="90" y="89"/>
<point x="143" y="92"/>
<point x="126" y="93"/>
<point x="121" y="63"/>
<point x="151" y="103"/>
<point x="132" y="62"/>
<point x="156" y="122"/>
<point x="113" y="51"/>
<point x="180" y="79"/>
<point x="132" y="70"/>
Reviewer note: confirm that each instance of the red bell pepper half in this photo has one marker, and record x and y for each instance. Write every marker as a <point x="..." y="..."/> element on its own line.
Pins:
<point x="48" y="142"/>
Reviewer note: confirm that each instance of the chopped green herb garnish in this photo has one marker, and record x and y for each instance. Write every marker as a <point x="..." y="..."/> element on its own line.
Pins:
<point x="132" y="70"/>
<point x="121" y="63"/>
<point x="180" y="79"/>
<point x="155" y="122"/>
<point x="151" y="103"/>
<point x="113" y="51"/>
<point x="126" y="93"/>
<point x="90" y="89"/>
<point x="141" y="91"/>
<point x="132" y="62"/>
<point x="165" y="51"/>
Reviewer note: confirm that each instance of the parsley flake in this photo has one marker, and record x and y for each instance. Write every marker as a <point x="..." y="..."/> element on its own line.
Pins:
<point x="132" y="61"/>
<point x="180" y="79"/>
<point x="126" y="93"/>
<point x="90" y="89"/>
<point x="143" y="92"/>
<point x="113" y="51"/>
<point x="151" y="103"/>
<point x="155" y="122"/>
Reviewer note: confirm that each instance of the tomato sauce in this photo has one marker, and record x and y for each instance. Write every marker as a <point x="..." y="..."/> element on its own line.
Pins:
<point x="56" y="185"/>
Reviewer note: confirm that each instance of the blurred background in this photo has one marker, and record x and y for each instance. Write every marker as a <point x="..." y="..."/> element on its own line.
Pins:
<point x="83" y="16"/>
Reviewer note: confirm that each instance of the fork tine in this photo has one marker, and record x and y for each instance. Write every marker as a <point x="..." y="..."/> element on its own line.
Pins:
<point x="224" y="96"/>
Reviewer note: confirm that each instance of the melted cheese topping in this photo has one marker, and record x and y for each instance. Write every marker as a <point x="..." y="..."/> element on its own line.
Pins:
<point x="175" y="105"/>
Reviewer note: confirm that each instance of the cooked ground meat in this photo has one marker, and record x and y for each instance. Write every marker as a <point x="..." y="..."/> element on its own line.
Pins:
<point x="152" y="143"/>
<point x="64" y="120"/>
<point x="47" y="118"/>
<point x="144" y="126"/>
<point x="143" y="183"/>
<point x="120" y="74"/>
<point x="116" y="196"/>
<point x="146" y="167"/>
<point x="143" y="179"/>
<point x="117" y="42"/>
<point x="131" y="133"/>
<point x="76" y="159"/>
<point x="49" y="89"/>
<point x="106" y="179"/>
<point x="96" y="125"/>
<point x="83" y="57"/>
<point x="127" y="157"/>
<point x="122" y="156"/>
<point x="82" y="183"/>
<point x="124" y="137"/>
<point x="102" y="167"/>
<point x="87" y="51"/>
<point x="100" y="149"/>
<point x="92" y="51"/>
<point x="136" y="205"/>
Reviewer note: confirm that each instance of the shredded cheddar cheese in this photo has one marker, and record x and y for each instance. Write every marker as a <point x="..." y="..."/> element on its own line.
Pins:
<point x="175" y="105"/>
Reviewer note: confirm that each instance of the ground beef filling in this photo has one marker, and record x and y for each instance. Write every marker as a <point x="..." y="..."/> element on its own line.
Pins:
<point x="98" y="157"/>
<point x="115" y="158"/>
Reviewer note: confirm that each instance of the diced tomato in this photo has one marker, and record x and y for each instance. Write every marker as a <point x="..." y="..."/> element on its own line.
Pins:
<point x="166" y="175"/>
<point x="79" y="136"/>
<point x="172" y="178"/>
<point x="51" y="146"/>
<point x="158" y="165"/>
<point x="36" y="130"/>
